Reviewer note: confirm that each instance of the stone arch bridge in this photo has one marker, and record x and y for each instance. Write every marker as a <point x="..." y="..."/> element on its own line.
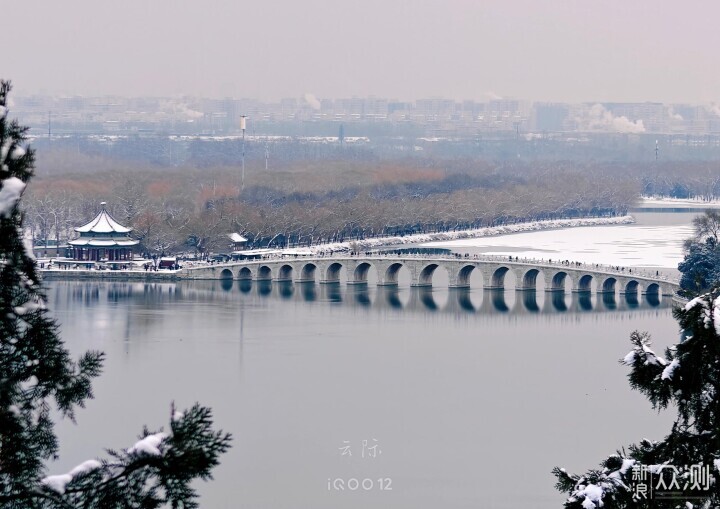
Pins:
<point x="529" y="275"/>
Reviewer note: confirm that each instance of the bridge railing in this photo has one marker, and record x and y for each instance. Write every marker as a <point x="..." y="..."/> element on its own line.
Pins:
<point x="541" y="262"/>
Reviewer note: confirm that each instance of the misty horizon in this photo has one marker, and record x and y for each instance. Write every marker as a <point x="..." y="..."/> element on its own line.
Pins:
<point x="553" y="51"/>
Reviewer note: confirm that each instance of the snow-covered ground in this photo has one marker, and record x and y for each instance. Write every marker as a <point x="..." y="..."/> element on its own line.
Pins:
<point x="661" y="201"/>
<point x="462" y="234"/>
<point x="627" y="245"/>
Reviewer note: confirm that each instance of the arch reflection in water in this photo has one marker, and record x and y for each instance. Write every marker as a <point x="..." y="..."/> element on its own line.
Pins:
<point x="245" y="285"/>
<point x="308" y="291"/>
<point x="332" y="293"/>
<point x="631" y="299"/>
<point x="584" y="300"/>
<point x="529" y="300"/>
<point x="557" y="300"/>
<point x="496" y="297"/>
<point x="285" y="289"/>
<point x="360" y="295"/>
<point x="458" y="300"/>
<point x="416" y="299"/>
<point x="608" y="300"/>
<point x="389" y="295"/>
<point x="226" y="284"/>
<point x="264" y="287"/>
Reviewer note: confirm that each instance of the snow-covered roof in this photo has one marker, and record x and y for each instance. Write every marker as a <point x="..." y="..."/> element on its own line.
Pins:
<point x="103" y="242"/>
<point x="103" y="223"/>
<point x="256" y="252"/>
<point x="236" y="237"/>
<point x="300" y="251"/>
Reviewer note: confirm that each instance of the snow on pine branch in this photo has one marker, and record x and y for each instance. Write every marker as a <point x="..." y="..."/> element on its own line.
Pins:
<point x="667" y="373"/>
<point x="709" y="310"/>
<point x="10" y="192"/>
<point x="58" y="483"/>
<point x="642" y="352"/>
<point x="149" y="445"/>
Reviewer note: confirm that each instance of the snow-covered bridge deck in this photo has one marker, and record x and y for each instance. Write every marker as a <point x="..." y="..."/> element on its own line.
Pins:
<point x="529" y="274"/>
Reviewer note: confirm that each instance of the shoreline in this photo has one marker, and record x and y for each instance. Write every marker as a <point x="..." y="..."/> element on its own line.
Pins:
<point x="488" y="231"/>
<point x="374" y="243"/>
<point x="659" y="202"/>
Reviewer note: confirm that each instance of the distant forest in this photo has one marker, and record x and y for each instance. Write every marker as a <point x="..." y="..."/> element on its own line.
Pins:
<point x="324" y="192"/>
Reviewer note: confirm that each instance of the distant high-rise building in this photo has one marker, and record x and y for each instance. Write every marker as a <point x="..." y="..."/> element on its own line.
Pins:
<point x="550" y="116"/>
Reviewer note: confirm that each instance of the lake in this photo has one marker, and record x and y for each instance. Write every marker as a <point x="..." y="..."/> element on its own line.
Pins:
<point x="404" y="398"/>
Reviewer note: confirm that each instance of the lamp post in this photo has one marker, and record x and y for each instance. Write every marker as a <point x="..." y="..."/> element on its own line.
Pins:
<point x="242" y="127"/>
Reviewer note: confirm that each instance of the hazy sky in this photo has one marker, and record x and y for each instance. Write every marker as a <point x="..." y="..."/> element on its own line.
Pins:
<point x="582" y="50"/>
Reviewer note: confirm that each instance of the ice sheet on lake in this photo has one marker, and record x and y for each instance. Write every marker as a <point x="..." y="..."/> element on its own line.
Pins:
<point x="624" y="245"/>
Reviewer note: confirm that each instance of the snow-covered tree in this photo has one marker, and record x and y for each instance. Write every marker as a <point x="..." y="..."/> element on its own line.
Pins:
<point x="686" y="379"/>
<point x="36" y="372"/>
<point x="700" y="269"/>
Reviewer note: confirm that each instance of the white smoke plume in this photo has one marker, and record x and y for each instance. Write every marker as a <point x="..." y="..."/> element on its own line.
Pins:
<point x="673" y="115"/>
<point x="312" y="101"/>
<point x="181" y="108"/>
<point x="184" y="109"/>
<point x="715" y="109"/>
<point x="602" y="119"/>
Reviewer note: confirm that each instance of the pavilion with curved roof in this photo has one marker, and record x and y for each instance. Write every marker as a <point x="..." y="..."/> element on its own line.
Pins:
<point x="103" y="239"/>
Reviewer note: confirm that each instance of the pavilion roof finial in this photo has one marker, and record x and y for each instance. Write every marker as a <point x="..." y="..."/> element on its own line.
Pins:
<point x="102" y="204"/>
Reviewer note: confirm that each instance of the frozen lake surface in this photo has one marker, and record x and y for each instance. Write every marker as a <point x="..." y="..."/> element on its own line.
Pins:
<point x="644" y="244"/>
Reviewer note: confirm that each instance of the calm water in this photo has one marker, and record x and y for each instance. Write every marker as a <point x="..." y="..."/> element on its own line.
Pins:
<point x="471" y="397"/>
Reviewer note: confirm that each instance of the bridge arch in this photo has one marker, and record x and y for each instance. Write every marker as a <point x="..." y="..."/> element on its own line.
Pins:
<point x="653" y="288"/>
<point x="307" y="273"/>
<point x="425" y="278"/>
<point x="463" y="277"/>
<point x="264" y="273"/>
<point x="244" y="273"/>
<point x="332" y="274"/>
<point x="585" y="283"/>
<point x="528" y="281"/>
<point x="360" y="274"/>
<point x="391" y="274"/>
<point x="285" y="272"/>
<point x="557" y="282"/>
<point x="497" y="279"/>
<point x="652" y="294"/>
<point x="632" y="287"/>
<point x="607" y="285"/>
<point x="226" y="274"/>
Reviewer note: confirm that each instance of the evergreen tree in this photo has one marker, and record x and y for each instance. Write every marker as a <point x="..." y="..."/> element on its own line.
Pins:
<point x="700" y="269"/>
<point x="36" y="371"/>
<point x="687" y="379"/>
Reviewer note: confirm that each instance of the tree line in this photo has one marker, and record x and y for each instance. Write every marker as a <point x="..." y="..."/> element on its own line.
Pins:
<point x="183" y="209"/>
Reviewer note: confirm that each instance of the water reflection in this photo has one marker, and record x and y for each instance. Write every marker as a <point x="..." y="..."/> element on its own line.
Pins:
<point x="557" y="300"/>
<point x="308" y="291"/>
<point x="391" y="296"/>
<point x="584" y="300"/>
<point x="285" y="289"/>
<point x="245" y="285"/>
<point x="529" y="298"/>
<point x="332" y="292"/>
<point x="631" y="299"/>
<point x="455" y="300"/>
<point x="264" y="287"/>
